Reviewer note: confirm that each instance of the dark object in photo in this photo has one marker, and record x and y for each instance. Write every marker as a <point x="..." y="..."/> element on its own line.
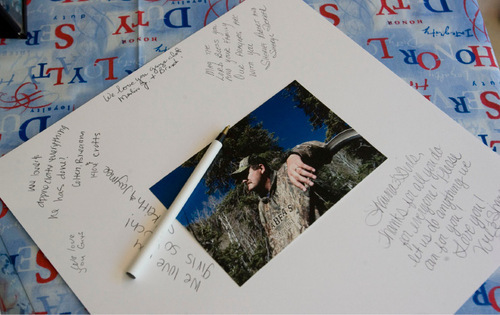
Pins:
<point x="13" y="19"/>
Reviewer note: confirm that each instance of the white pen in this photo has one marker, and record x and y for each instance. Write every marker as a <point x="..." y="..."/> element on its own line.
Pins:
<point x="168" y="218"/>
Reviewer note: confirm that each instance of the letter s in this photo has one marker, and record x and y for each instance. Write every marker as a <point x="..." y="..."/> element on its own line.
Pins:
<point x="4" y="209"/>
<point x="68" y="38"/>
<point x="490" y="104"/>
<point x="43" y="262"/>
<point x="325" y="13"/>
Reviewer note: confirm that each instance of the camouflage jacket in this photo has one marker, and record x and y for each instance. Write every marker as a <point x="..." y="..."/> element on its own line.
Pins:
<point x="287" y="210"/>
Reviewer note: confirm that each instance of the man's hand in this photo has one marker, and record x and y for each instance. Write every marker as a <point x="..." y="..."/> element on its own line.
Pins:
<point x="300" y="174"/>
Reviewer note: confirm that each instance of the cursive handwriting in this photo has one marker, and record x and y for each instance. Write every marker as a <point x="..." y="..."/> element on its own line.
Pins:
<point x="429" y="210"/>
<point x="141" y="82"/>
<point x="234" y="54"/>
<point x="77" y="252"/>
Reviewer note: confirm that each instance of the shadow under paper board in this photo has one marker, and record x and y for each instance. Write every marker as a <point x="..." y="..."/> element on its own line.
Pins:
<point x="13" y="21"/>
<point x="246" y="209"/>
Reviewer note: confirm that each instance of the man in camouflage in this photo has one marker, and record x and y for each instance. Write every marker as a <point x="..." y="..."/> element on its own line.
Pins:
<point x="288" y="203"/>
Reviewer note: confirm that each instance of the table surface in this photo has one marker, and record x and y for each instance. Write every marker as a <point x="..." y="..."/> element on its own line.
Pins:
<point x="490" y="10"/>
<point x="440" y="48"/>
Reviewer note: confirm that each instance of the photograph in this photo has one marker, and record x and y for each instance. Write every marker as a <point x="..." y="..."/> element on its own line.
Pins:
<point x="280" y="169"/>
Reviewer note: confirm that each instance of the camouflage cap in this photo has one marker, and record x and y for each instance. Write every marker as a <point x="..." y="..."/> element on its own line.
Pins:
<point x="245" y="163"/>
<point x="242" y="168"/>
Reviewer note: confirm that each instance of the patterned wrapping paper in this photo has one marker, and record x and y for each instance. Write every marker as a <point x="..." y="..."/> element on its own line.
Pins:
<point x="77" y="48"/>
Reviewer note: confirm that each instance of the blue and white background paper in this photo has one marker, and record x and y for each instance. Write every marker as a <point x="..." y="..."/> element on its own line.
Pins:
<point x="77" y="48"/>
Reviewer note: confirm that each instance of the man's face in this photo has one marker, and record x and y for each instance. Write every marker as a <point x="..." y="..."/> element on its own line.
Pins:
<point x="254" y="178"/>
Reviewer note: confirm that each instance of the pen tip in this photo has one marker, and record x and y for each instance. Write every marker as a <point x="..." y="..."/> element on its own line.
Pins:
<point x="223" y="134"/>
<point x="130" y="275"/>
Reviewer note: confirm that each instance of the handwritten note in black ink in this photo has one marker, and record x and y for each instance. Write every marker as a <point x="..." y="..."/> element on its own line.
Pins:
<point x="55" y="173"/>
<point x="236" y="55"/>
<point x="140" y="84"/>
<point x="77" y="252"/>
